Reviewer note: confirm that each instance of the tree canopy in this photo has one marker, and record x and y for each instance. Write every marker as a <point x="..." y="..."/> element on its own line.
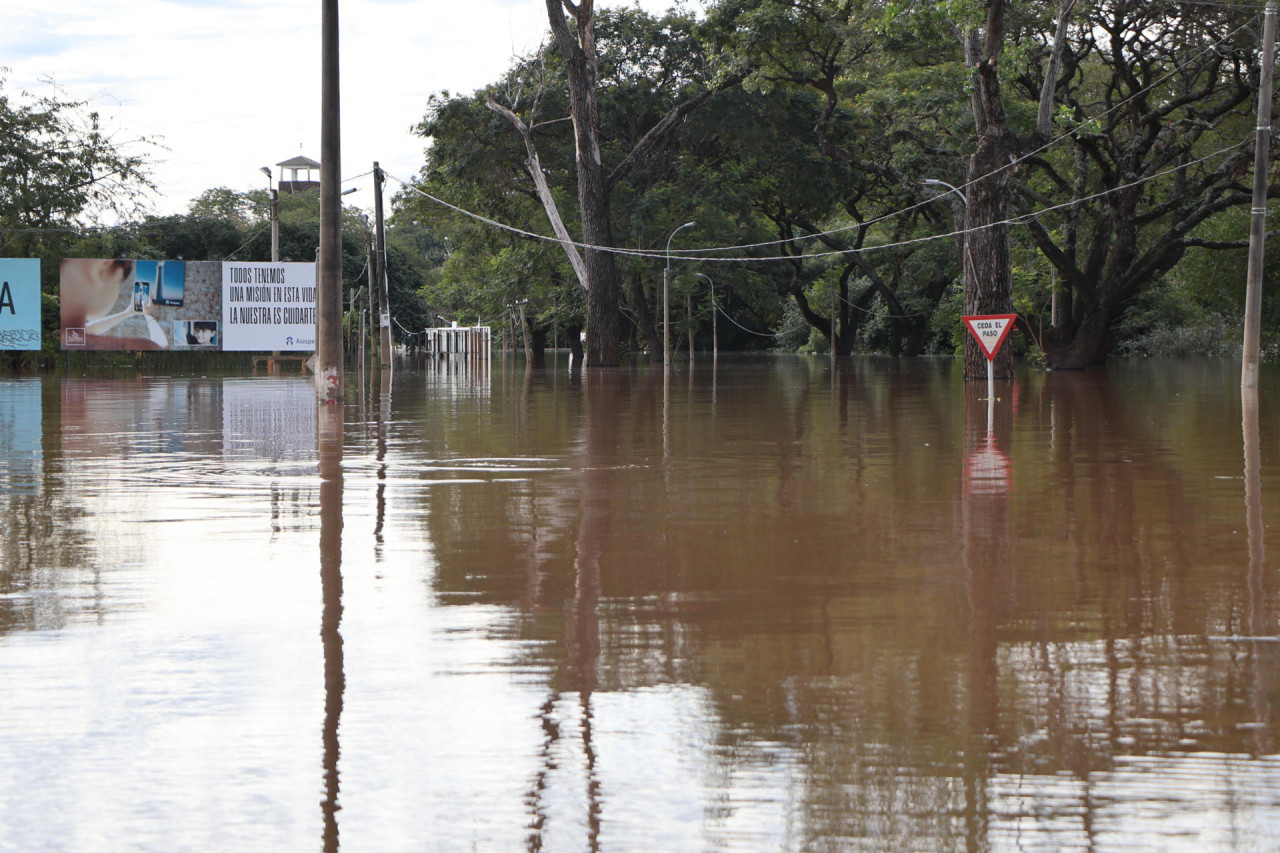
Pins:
<point x="1127" y="129"/>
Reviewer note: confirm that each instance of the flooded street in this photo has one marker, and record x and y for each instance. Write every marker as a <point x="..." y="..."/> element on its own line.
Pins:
<point x="760" y="608"/>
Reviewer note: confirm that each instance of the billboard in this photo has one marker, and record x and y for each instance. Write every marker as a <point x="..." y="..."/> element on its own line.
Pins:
<point x="19" y="304"/>
<point x="187" y="305"/>
<point x="270" y="306"/>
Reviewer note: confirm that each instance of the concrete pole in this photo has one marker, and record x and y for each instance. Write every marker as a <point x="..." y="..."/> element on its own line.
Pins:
<point x="715" y="325"/>
<point x="688" y="320"/>
<point x="328" y="371"/>
<point x="1258" y="222"/>
<point x="666" y="314"/>
<point x="380" y="235"/>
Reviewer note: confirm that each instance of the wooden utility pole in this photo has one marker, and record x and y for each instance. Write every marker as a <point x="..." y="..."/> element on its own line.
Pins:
<point x="328" y="370"/>
<point x="524" y="333"/>
<point x="1258" y="222"/>
<point x="372" y="265"/>
<point x="384" y="305"/>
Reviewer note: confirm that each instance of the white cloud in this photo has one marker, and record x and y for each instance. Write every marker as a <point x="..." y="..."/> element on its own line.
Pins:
<point x="231" y="86"/>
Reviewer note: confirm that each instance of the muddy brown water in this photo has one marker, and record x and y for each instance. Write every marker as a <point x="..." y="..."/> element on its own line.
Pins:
<point x="758" y="607"/>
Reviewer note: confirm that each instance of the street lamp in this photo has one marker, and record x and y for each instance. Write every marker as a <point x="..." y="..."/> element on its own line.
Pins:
<point x="967" y="259"/>
<point x="934" y="182"/>
<point x="666" y="293"/>
<point x="715" y="335"/>
<point x="275" y="215"/>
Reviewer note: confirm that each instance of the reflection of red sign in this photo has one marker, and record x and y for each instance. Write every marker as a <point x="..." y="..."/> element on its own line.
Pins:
<point x="987" y="471"/>
<point x="990" y="330"/>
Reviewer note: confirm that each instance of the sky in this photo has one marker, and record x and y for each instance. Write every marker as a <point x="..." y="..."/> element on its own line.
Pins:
<point x="229" y="86"/>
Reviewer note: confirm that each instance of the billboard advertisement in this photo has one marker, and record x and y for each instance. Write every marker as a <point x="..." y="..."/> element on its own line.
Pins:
<point x="187" y="305"/>
<point x="19" y="304"/>
<point x="269" y="306"/>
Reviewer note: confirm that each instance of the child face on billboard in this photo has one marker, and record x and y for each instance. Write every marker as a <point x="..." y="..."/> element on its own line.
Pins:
<point x="90" y="287"/>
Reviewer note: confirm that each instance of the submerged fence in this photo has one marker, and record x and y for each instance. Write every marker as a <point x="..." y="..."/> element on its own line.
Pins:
<point x="467" y="342"/>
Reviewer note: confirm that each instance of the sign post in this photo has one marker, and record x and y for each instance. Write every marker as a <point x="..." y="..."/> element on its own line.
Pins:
<point x="990" y="331"/>
<point x="987" y="468"/>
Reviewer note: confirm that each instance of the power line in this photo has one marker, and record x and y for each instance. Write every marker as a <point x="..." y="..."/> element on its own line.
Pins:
<point x="686" y="256"/>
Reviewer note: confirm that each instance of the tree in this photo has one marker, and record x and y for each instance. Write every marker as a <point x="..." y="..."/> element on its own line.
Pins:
<point x="476" y="163"/>
<point x="579" y="51"/>
<point x="651" y="76"/>
<point x="60" y="173"/>
<point x="853" y="126"/>
<point x="59" y="169"/>
<point x="1155" y="100"/>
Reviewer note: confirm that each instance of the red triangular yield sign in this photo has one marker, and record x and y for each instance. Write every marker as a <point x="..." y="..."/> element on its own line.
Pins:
<point x="990" y="330"/>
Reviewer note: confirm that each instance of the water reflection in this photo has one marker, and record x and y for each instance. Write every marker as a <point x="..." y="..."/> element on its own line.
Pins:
<point x="1261" y="628"/>
<point x="329" y="455"/>
<point x="988" y="571"/>
<point x="20" y="439"/>
<point x="783" y="608"/>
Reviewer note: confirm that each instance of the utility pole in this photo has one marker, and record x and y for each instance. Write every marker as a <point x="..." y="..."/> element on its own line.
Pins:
<point x="371" y="264"/>
<point x="1258" y="222"/>
<point x="384" y="305"/>
<point x="328" y="370"/>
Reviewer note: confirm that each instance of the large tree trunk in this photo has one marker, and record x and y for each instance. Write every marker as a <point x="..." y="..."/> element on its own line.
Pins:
<point x="603" y="292"/>
<point x="573" y="334"/>
<point x="639" y="303"/>
<point x="988" y="273"/>
<point x="1087" y="347"/>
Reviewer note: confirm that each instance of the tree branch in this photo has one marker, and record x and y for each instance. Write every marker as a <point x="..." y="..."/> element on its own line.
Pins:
<point x="534" y="165"/>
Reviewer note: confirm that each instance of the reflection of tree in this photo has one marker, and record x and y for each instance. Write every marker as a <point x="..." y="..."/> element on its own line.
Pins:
<point x="896" y="651"/>
<point x="984" y="522"/>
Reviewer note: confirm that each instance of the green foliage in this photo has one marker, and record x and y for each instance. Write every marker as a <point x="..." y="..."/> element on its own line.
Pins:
<point x="60" y="173"/>
<point x="60" y="170"/>
<point x="844" y="109"/>
<point x="1217" y="335"/>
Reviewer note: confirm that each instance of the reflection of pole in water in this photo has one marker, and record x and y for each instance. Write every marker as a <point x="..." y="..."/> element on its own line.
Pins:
<point x="384" y="420"/>
<point x="666" y="409"/>
<point x="985" y="522"/>
<point x="329" y="451"/>
<point x="1263" y="646"/>
<point x="584" y="636"/>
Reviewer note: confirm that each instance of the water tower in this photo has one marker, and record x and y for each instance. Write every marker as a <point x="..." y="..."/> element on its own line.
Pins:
<point x="296" y="175"/>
